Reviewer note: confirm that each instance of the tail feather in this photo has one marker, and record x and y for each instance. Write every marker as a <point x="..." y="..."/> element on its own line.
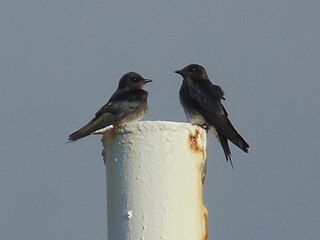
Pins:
<point x="232" y="135"/>
<point x="225" y="147"/>
<point x="240" y="142"/>
<point x="88" y="129"/>
<point x="223" y="142"/>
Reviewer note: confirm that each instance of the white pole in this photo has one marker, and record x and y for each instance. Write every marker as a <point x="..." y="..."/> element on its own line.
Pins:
<point x="154" y="181"/>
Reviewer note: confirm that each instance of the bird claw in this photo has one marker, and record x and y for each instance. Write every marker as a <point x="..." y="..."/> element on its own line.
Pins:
<point x="114" y="130"/>
<point x="205" y="127"/>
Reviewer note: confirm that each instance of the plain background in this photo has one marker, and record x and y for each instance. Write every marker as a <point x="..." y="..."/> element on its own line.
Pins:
<point x="60" y="61"/>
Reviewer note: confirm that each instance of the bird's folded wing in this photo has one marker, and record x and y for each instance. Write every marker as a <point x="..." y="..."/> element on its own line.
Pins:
<point x="124" y="102"/>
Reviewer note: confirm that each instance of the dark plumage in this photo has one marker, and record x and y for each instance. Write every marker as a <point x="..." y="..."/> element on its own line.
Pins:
<point x="128" y="103"/>
<point x="201" y="101"/>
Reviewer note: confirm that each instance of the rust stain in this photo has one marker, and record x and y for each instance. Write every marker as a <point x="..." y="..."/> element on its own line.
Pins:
<point x="203" y="178"/>
<point x="205" y="230"/>
<point x="204" y="210"/>
<point x="194" y="142"/>
<point x="205" y="216"/>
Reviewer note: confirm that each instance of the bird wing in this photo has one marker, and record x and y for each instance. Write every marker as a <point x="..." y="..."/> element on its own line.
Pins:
<point x="208" y="97"/>
<point x="122" y="103"/>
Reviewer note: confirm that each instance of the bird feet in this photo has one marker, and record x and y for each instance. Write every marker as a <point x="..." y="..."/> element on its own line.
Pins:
<point x="205" y="127"/>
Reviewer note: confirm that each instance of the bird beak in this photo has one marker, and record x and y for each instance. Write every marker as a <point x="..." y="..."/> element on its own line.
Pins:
<point x="181" y="72"/>
<point x="147" y="80"/>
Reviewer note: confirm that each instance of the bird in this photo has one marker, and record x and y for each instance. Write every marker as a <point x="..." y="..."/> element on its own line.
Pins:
<point x="127" y="104"/>
<point x="201" y="101"/>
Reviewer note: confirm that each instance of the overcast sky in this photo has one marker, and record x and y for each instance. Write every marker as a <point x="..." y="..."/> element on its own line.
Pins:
<point x="61" y="60"/>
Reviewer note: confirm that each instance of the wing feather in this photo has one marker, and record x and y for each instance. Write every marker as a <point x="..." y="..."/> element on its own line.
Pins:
<point x="208" y="98"/>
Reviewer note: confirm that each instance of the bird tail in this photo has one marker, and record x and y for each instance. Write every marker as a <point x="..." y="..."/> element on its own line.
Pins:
<point x="88" y="129"/>
<point x="225" y="146"/>
<point x="236" y="138"/>
<point x="228" y="131"/>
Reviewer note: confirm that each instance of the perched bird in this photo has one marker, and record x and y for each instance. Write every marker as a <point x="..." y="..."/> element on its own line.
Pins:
<point x="127" y="104"/>
<point x="201" y="101"/>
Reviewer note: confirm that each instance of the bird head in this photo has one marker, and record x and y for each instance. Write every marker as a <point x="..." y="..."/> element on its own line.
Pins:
<point x="194" y="71"/>
<point x="132" y="80"/>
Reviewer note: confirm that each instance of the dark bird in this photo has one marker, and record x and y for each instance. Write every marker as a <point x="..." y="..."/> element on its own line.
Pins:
<point x="127" y="104"/>
<point x="201" y="101"/>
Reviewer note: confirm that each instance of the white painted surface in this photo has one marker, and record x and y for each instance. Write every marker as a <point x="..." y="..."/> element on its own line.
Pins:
<point x="154" y="181"/>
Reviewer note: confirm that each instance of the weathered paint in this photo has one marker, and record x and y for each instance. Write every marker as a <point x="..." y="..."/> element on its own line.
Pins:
<point x="154" y="181"/>
<point x="205" y="216"/>
<point x="195" y="141"/>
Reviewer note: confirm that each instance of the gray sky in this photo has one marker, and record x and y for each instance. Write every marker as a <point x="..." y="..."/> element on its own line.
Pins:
<point x="61" y="60"/>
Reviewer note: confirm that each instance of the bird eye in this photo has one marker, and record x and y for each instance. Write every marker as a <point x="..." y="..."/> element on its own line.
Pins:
<point x="135" y="80"/>
<point x="193" y="69"/>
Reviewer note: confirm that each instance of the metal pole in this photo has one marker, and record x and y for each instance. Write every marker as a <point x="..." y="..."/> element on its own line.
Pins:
<point x="154" y="181"/>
